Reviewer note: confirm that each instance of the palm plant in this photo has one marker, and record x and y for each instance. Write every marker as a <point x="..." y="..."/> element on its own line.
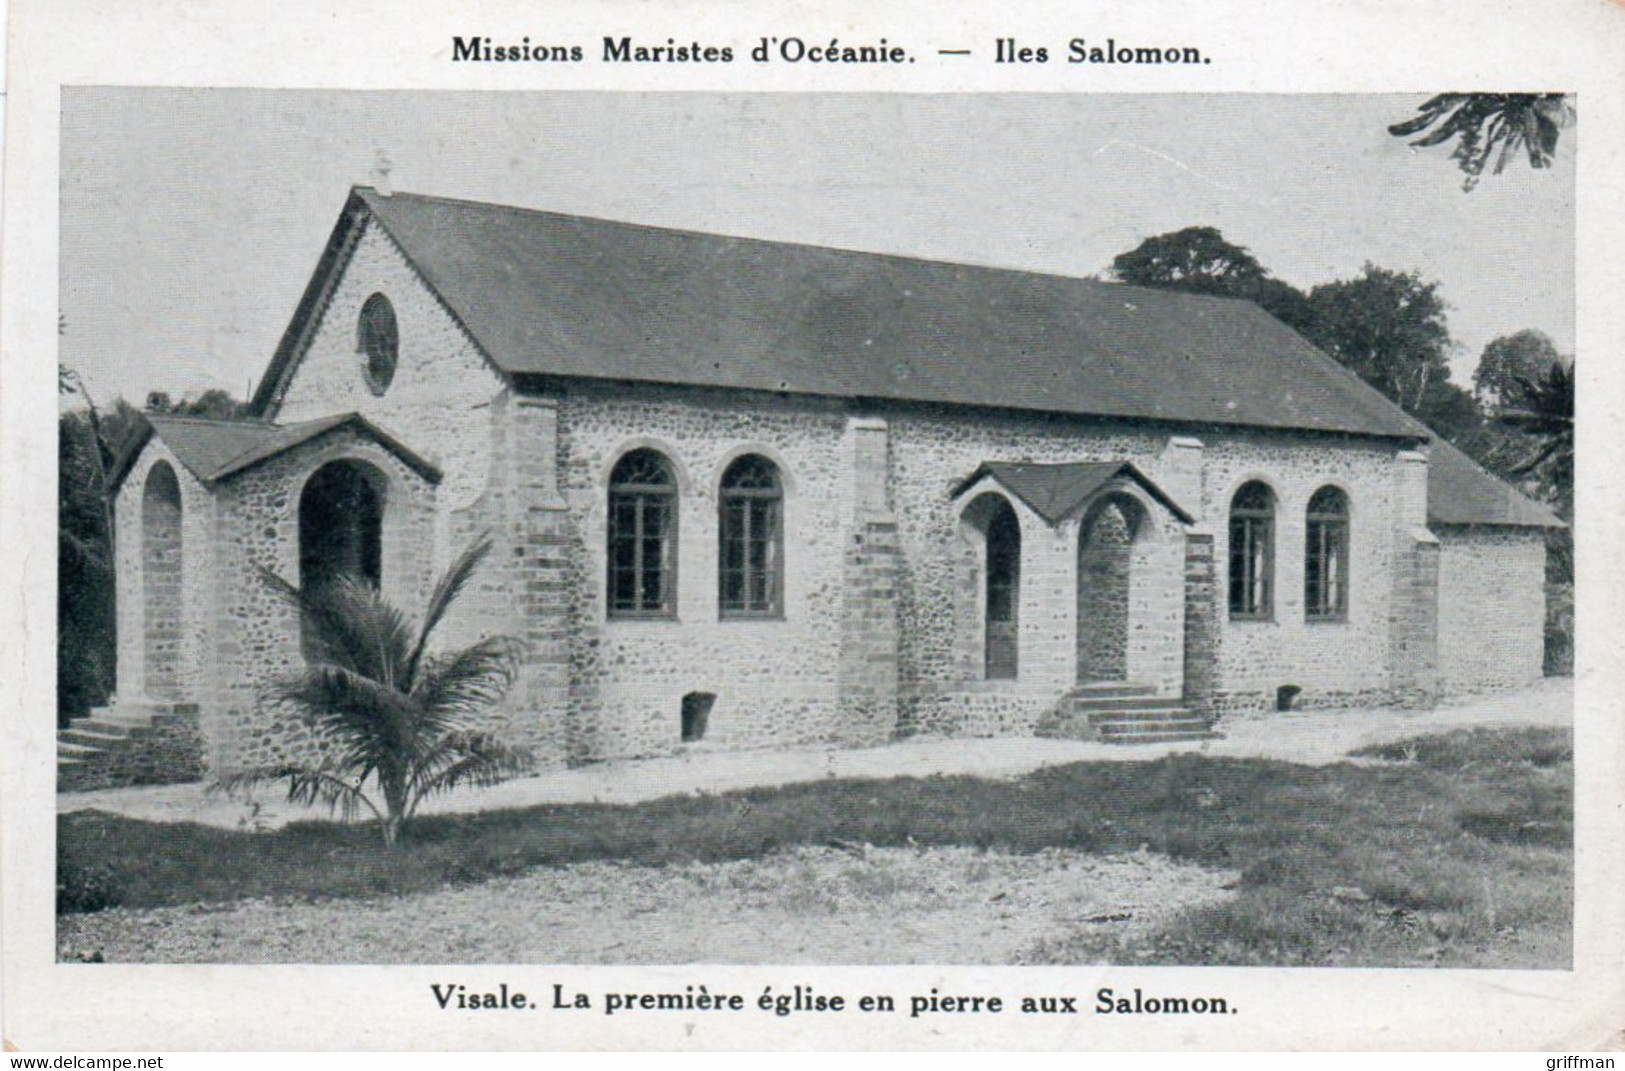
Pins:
<point x="1482" y="123"/>
<point x="392" y="720"/>
<point x="1543" y="409"/>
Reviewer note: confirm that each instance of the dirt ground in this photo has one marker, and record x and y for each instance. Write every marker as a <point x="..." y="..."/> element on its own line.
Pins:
<point x="807" y="905"/>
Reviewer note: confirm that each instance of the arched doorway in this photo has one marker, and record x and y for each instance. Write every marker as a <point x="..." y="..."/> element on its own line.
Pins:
<point x="991" y="522"/>
<point x="341" y="514"/>
<point x="1105" y="579"/>
<point x="161" y="581"/>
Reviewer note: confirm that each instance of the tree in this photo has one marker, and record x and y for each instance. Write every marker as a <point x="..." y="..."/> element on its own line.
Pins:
<point x="1526" y="355"/>
<point x="212" y="404"/>
<point x="85" y="650"/>
<point x="1386" y="326"/>
<point x="1199" y="260"/>
<point x="1451" y="411"/>
<point x="1490" y="124"/>
<point x="385" y="711"/>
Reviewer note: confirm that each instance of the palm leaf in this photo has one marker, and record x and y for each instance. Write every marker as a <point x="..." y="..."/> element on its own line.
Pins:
<point x="345" y="622"/>
<point x="451" y="585"/>
<point x="307" y="785"/>
<point x="466" y="680"/>
<point x="469" y="758"/>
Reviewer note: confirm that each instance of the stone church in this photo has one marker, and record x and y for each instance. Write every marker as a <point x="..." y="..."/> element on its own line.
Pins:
<point x="748" y="494"/>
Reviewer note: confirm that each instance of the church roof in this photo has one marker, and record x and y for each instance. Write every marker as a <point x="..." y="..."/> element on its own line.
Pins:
<point x="212" y="450"/>
<point x="555" y="295"/>
<point x="543" y="294"/>
<point x="1056" y="491"/>
<point x="1461" y="493"/>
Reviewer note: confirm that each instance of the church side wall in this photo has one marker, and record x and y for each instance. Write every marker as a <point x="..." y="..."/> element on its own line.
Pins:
<point x="776" y="682"/>
<point x="1334" y="663"/>
<point x="1492" y="602"/>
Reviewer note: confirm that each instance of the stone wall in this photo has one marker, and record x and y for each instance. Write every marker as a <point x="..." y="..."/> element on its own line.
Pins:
<point x="868" y="668"/>
<point x="1491" y="607"/>
<point x="776" y="680"/>
<point x="187" y="593"/>
<point x="439" y="400"/>
<point x="1201" y="623"/>
<point x="1104" y="560"/>
<point x="1345" y="662"/>
<point x="257" y="635"/>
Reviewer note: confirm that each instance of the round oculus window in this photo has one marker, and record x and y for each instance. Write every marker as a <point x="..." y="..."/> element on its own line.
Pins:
<point x="379" y="342"/>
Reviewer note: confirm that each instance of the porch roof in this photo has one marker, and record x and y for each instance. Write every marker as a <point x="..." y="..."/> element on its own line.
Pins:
<point x="213" y="450"/>
<point x="1056" y="491"/>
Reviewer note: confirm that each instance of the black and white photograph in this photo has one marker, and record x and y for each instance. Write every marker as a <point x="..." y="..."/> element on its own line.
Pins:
<point x="816" y="529"/>
<point x="632" y="526"/>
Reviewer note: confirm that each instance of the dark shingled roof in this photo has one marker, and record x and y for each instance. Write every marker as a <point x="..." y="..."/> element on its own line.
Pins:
<point x="557" y="295"/>
<point x="1461" y="493"/>
<point x="212" y="450"/>
<point x="1056" y="491"/>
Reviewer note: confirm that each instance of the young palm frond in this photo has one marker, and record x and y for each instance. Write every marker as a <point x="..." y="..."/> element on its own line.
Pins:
<point x="384" y="711"/>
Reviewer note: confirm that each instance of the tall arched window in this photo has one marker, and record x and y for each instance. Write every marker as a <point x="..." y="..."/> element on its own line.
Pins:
<point x="1252" y="552"/>
<point x="642" y="537"/>
<point x="750" y="573"/>
<point x="1326" y="556"/>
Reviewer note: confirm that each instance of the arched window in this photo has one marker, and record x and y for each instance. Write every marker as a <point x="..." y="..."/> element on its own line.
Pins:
<point x="750" y="572"/>
<point x="1252" y="552"/>
<point x="1326" y="556"/>
<point x="378" y="340"/>
<point x="642" y="537"/>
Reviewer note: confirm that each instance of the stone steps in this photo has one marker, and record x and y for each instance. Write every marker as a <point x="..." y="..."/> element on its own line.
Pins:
<point x="129" y="743"/>
<point x="1126" y="713"/>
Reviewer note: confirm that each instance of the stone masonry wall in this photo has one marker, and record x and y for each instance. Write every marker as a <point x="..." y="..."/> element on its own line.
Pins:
<point x="195" y="592"/>
<point x="1345" y="662"/>
<point x="1103" y="597"/>
<point x="1201" y="623"/>
<point x="1491" y="607"/>
<point x="162" y="564"/>
<point x="257" y="634"/>
<point x="776" y="681"/>
<point x="439" y="400"/>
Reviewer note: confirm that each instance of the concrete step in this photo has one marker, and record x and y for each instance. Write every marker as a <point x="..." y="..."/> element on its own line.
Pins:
<point x="108" y="725"/>
<point x="1144" y="717"/>
<point x="1127" y="702"/>
<point x="1111" y="689"/>
<point x="1160" y="738"/>
<point x="91" y="737"/>
<point x="68" y="750"/>
<point x="1135" y="728"/>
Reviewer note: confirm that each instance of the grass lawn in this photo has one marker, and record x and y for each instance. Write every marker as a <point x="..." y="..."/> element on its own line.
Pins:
<point x="1455" y="851"/>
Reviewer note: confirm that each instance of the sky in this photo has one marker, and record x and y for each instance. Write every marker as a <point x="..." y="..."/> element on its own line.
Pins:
<point x="191" y="219"/>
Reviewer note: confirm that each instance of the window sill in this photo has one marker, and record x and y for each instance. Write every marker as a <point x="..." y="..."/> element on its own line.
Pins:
<point x="1325" y="619"/>
<point x="740" y="616"/>
<point x="1252" y="619"/>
